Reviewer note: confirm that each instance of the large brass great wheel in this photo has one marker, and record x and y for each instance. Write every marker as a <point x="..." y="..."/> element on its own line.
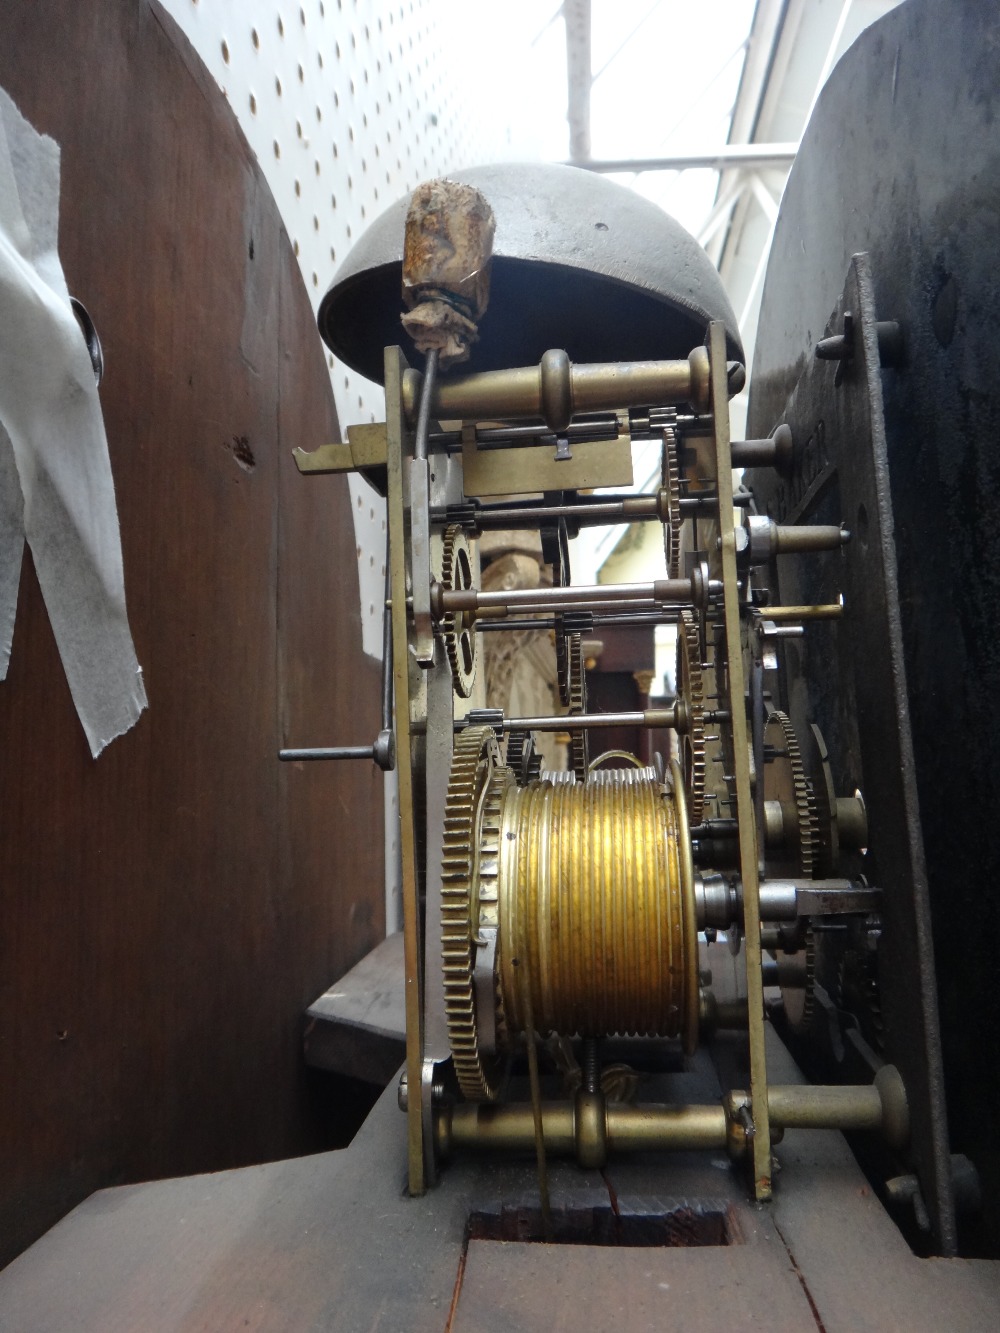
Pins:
<point x="578" y="897"/>
<point x="469" y="902"/>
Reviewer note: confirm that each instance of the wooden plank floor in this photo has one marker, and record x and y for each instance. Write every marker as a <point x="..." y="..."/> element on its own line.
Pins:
<point x="332" y="1242"/>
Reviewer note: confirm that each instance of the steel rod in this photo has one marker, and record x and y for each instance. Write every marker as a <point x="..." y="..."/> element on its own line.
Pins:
<point x="427" y="387"/>
<point x="444" y="600"/>
<point x="327" y="752"/>
<point x="664" y="615"/>
<point x="650" y="717"/>
<point x="644" y="508"/>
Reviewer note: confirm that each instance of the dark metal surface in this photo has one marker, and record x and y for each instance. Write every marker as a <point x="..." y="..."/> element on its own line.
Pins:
<point x="850" y="677"/>
<point x="901" y="159"/>
<point x="579" y="263"/>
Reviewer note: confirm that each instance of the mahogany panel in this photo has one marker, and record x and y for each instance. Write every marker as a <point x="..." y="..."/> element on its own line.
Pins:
<point x="168" y="911"/>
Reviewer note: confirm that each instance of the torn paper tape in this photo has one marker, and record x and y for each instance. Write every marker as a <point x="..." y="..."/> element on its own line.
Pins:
<point x="58" y="492"/>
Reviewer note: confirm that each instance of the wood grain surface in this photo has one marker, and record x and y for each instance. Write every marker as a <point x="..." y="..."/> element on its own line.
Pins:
<point x="168" y="912"/>
<point x="334" y="1242"/>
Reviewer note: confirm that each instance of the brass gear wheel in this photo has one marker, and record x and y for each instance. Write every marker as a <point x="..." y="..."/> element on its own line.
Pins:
<point x="670" y="484"/>
<point x="562" y="660"/>
<point x="579" y="747"/>
<point x="800" y="1001"/>
<point x="469" y="899"/>
<point x="690" y="689"/>
<point x="520" y="750"/>
<point x="456" y="626"/>
<point x="564" y="652"/>
<point x="785" y="780"/>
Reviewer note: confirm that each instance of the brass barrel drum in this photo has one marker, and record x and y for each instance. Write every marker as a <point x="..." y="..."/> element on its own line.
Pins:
<point x="569" y="908"/>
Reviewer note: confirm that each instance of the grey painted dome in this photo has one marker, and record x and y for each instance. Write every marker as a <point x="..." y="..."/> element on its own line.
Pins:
<point x="579" y="262"/>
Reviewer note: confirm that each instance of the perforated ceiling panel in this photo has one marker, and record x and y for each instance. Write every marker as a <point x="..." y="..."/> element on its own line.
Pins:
<point x="348" y="104"/>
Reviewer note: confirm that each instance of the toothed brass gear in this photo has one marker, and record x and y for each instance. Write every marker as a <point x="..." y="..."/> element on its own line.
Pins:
<point x="520" y="751"/>
<point x="562" y="644"/>
<point x="690" y="689"/>
<point x="785" y="780"/>
<point x="491" y="1028"/>
<point x="670" y="482"/>
<point x="456" y="626"/>
<point x="579" y="747"/>
<point x="800" y="1001"/>
<point x="468" y="899"/>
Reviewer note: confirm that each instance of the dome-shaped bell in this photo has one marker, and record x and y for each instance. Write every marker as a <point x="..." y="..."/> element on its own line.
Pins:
<point x="579" y="263"/>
